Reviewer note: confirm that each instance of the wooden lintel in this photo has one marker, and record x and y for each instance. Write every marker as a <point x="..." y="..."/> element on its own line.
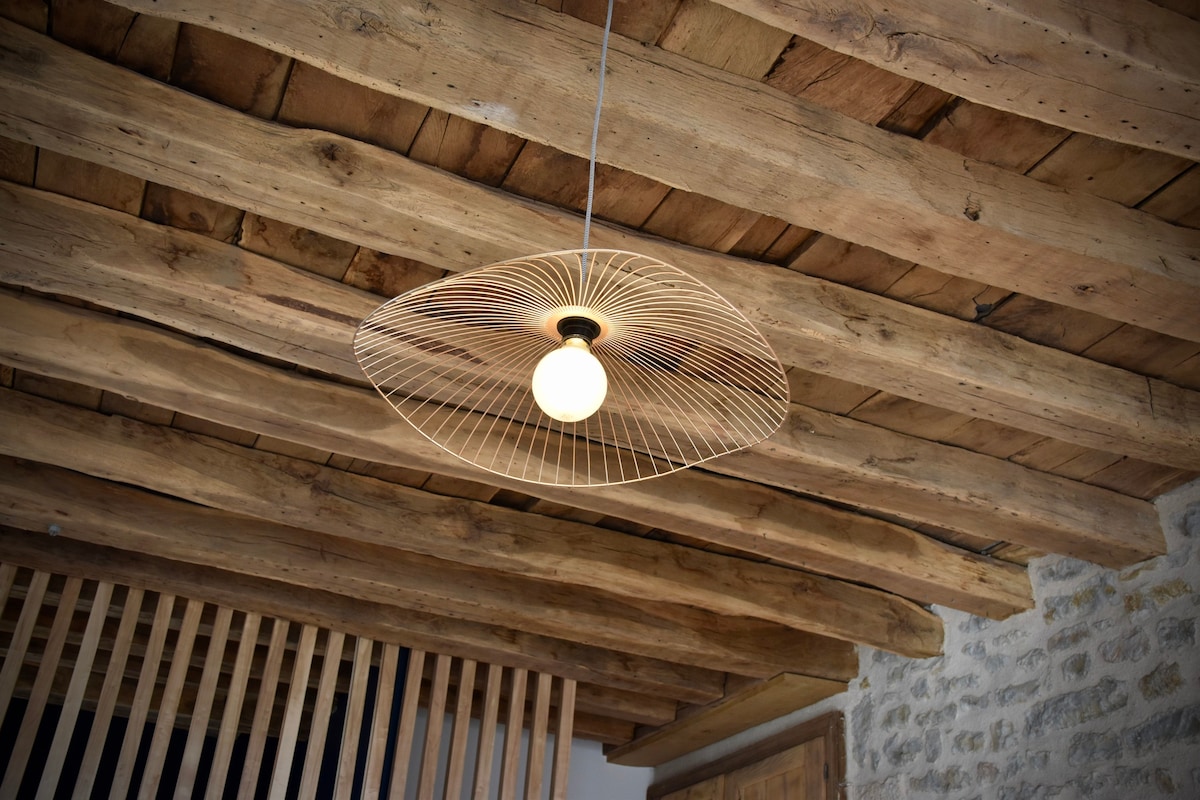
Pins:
<point x="734" y="713"/>
<point x="517" y="68"/>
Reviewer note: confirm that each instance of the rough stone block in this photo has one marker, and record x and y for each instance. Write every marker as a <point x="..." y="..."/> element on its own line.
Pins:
<point x="1018" y="693"/>
<point x="1072" y="708"/>
<point x="1165" y="679"/>
<point x="1132" y="646"/>
<point x="941" y="782"/>
<point x="1076" y="667"/>
<point x="1177" y="725"/>
<point x="1090" y="748"/>
<point x="1068" y="637"/>
<point x="1174" y="633"/>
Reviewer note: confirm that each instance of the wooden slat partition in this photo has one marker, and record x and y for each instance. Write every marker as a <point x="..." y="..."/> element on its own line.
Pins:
<point x="440" y="750"/>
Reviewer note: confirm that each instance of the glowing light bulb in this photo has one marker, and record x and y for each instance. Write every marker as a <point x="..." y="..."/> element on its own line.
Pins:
<point x="569" y="383"/>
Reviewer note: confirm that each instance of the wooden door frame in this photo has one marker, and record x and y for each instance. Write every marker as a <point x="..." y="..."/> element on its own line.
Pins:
<point x="830" y="727"/>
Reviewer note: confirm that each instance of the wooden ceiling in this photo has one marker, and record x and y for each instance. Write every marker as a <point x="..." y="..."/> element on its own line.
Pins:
<point x="968" y="231"/>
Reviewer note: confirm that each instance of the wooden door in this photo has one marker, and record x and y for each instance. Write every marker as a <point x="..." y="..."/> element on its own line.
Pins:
<point x="795" y="774"/>
<point x="803" y="763"/>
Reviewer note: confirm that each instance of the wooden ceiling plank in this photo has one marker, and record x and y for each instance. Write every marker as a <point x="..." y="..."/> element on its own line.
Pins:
<point x="455" y="224"/>
<point x="1127" y="71"/>
<point x="290" y="492"/>
<point x="795" y="161"/>
<point x="360" y="618"/>
<point x="352" y="421"/>
<point x="100" y="511"/>
<point x="736" y="712"/>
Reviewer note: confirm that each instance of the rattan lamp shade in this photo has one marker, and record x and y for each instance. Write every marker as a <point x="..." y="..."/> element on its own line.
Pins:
<point x="689" y="377"/>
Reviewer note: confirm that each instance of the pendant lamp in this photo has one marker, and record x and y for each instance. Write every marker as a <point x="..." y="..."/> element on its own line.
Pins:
<point x="582" y="367"/>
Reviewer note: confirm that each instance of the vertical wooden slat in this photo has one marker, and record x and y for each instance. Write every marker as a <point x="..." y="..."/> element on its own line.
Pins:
<point x="90" y="643"/>
<point x="143" y="696"/>
<point x="168" y="707"/>
<point x="406" y="732"/>
<point x="377" y="743"/>
<point x="18" y="759"/>
<point x="8" y="576"/>
<point x="290" y="730"/>
<point x="14" y="656"/>
<point x="487" y="734"/>
<point x="433" y="728"/>
<point x="198" y="729"/>
<point x="354" y="716"/>
<point x="563" y="733"/>
<point x="456" y="764"/>
<point x="231" y="715"/>
<point x="321" y="712"/>
<point x="113" y="677"/>
<point x="510" y="763"/>
<point x="535" y="758"/>
<point x="261" y="725"/>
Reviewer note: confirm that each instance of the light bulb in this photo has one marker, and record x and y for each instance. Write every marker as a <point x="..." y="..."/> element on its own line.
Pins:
<point x="569" y="383"/>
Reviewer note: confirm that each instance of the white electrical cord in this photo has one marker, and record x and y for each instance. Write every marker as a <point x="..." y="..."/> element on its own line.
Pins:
<point x="591" y="189"/>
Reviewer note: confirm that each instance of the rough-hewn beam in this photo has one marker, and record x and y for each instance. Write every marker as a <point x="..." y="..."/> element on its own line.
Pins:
<point x="162" y="369"/>
<point x="306" y="495"/>
<point x="736" y="712"/>
<point x="383" y="200"/>
<point x="219" y="292"/>
<point x="36" y="495"/>
<point x="517" y="66"/>
<point x="386" y="623"/>
<point x="1125" y="70"/>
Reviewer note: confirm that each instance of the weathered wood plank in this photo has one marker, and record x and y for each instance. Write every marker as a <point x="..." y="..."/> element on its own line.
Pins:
<point x="105" y="513"/>
<point x="1121" y="70"/>
<point x="823" y="327"/>
<point x="223" y="293"/>
<point x="540" y="546"/>
<point x="360" y="618"/>
<point x="793" y="159"/>
<point x="734" y="713"/>
<point x="149" y="364"/>
<point x="306" y="495"/>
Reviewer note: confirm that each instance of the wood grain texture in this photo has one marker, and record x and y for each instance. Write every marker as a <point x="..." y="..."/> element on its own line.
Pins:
<point x="966" y="219"/>
<point x="373" y="620"/>
<point x="824" y="327"/>
<point x="1121" y="70"/>
<point x="491" y="538"/>
<point x="148" y="364"/>
<point x="114" y="515"/>
<point x="736" y="712"/>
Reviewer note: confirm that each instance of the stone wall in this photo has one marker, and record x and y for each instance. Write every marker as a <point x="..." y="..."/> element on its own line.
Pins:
<point x="1095" y="693"/>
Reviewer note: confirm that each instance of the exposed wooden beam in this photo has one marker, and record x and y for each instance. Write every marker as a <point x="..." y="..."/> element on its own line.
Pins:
<point x="517" y="66"/>
<point x="315" y="180"/>
<point x="306" y="495"/>
<point x="218" y="291"/>
<point x="500" y="645"/>
<point x="736" y="712"/>
<point x="1125" y="70"/>
<point x="102" y="512"/>
<point x="162" y="369"/>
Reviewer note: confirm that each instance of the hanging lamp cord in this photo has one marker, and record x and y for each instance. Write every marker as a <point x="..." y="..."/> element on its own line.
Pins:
<point x="591" y="188"/>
